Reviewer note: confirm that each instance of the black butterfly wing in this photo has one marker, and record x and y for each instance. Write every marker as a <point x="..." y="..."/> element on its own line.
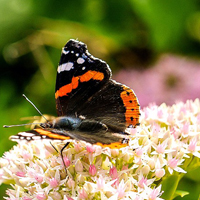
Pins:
<point x="115" y="105"/>
<point x="79" y="77"/>
<point x="84" y="88"/>
<point x="104" y="139"/>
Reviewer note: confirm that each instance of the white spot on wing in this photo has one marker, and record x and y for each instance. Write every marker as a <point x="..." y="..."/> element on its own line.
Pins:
<point x="25" y="134"/>
<point x="65" y="67"/>
<point x="36" y="137"/>
<point x="83" y="68"/>
<point x="80" y="60"/>
<point x="14" y="137"/>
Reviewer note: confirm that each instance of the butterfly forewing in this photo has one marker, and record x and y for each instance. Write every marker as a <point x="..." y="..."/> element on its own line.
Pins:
<point x="84" y="87"/>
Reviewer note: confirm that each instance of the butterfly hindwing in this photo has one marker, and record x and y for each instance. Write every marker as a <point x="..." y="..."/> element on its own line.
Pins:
<point x="99" y="136"/>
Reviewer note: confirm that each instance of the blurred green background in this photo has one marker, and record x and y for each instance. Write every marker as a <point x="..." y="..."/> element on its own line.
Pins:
<point x="131" y="35"/>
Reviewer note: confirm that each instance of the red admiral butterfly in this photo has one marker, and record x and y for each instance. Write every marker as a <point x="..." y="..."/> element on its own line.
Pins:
<point x="90" y="105"/>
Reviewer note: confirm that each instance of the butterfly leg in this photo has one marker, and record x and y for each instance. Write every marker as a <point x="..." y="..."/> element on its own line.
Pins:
<point x="54" y="147"/>
<point x="61" y="153"/>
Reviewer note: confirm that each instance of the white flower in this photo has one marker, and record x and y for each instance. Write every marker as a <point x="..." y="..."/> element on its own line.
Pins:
<point x="165" y="140"/>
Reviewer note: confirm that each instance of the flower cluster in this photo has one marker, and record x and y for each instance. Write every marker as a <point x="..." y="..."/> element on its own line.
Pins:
<point x="165" y="144"/>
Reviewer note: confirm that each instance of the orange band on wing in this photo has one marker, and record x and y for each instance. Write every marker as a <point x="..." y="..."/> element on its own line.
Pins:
<point x="132" y="106"/>
<point x="66" y="89"/>
<point x="51" y="135"/>
<point x="75" y="82"/>
<point x="87" y="76"/>
<point x="98" y="76"/>
<point x="63" y="90"/>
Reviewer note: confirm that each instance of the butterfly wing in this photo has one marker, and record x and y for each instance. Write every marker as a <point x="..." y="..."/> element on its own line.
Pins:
<point x="79" y="77"/>
<point x="84" y="88"/>
<point x="114" y="105"/>
<point x="104" y="139"/>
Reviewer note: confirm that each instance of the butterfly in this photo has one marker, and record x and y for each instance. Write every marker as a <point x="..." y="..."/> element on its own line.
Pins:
<point x="90" y="105"/>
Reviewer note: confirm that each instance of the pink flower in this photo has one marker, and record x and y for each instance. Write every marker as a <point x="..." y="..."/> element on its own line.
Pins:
<point x="160" y="113"/>
<point x="142" y="182"/>
<point x="68" y="198"/>
<point x="194" y="148"/>
<point x="174" y="132"/>
<point x="173" y="163"/>
<point x="26" y="198"/>
<point x="82" y="194"/>
<point x="71" y="183"/>
<point x="38" y="178"/>
<point x="41" y="196"/>
<point x="133" y="131"/>
<point x="113" y="172"/>
<point x="139" y="152"/>
<point x="49" y="148"/>
<point x="198" y="118"/>
<point x="21" y="174"/>
<point x="26" y="155"/>
<point x="192" y="145"/>
<point x="160" y="148"/>
<point x="116" y="183"/>
<point x="100" y="183"/>
<point x="56" y="195"/>
<point x="114" y="152"/>
<point x="66" y="161"/>
<point x="92" y="170"/>
<point x="121" y="190"/>
<point x="53" y="183"/>
<point x="185" y="129"/>
<point x="124" y="167"/>
<point x="77" y="147"/>
<point x="90" y="148"/>
<point x="154" y="193"/>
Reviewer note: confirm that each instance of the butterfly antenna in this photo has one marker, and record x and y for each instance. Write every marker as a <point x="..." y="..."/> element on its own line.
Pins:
<point x="34" y="106"/>
<point x="8" y="126"/>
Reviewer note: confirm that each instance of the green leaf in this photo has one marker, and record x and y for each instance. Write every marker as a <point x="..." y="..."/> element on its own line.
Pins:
<point x="165" y="25"/>
<point x="180" y="193"/>
<point x="169" y="186"/>
<point x="194" y="175"/>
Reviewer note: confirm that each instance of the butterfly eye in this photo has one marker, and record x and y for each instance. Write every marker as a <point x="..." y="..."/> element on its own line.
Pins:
<point x="43" y="125"/>
<point x="46" y="125"/>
